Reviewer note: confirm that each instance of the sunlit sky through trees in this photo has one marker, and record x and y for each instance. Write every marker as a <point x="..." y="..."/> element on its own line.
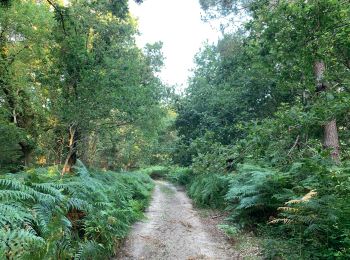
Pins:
<point x="178" y="24"/>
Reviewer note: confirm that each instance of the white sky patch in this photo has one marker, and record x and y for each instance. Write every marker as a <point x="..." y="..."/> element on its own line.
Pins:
<point x="178" y="24"/>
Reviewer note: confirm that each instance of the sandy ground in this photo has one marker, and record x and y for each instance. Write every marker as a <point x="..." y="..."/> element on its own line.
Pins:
<point x="174" y="230"/>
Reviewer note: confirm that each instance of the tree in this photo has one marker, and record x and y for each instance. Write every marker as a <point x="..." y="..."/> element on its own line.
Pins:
<point x="99" y="47"/>
<point x="71" y="77"/>
<point x="295" y="37"/>
<point x="23" y="28"/>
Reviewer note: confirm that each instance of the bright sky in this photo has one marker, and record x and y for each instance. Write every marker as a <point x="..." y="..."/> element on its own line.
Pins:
<point x="178" y="24"/>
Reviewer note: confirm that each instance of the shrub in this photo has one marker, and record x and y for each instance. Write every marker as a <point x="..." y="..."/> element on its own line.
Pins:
<point x="209" y="190"/>
<point x="304" y="212"/>
<point x="156" y="172"/>
<point x="315" y="221"/>
<point x="206" y="190"/>
<point x="255" y="193"/>
<point x="180" y="175"/>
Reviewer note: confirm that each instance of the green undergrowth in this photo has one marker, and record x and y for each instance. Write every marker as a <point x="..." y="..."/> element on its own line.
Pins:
<point x="80" y="216"/>
<point x="206" y="190"/>
<point x="156" y="172"/>
<point x="300" y="212"/>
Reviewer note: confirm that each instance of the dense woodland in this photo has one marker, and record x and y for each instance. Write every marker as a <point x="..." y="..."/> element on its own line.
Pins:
<point x="264" y="125"/>
<point x="75" y="92"/>
<point x="75" y="85"/>
<point x="261" y="133"/>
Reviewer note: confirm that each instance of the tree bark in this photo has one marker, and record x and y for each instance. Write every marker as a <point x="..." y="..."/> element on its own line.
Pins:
<point x="72" y="153"/>
<point x="330" y="139"/>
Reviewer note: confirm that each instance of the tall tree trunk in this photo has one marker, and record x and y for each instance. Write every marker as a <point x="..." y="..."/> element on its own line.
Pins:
<point x="331" y="139"/>
<point x="72" y="153"/>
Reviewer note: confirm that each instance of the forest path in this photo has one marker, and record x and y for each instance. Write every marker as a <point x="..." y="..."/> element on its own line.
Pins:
<point x="174" y="230"/>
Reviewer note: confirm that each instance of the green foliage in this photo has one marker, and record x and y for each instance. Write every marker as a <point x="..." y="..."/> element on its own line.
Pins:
<point x="76" y="67"/>
<point x="210" y="156"/>
<point x="156" y="172"/>
<point x="209" y="190"/>
<point x="255" y="193"/>
<point x="257" y="112"/>
<point x="229" y="230"/>
<point x="206" y="190"/>
<point x="249" y="128"/>
<point x="181" y="175"/>
<point x="263" y="76"/>
<point x="83" y="216"/>
<point x="314" y="220"/>
<point x="302" y="213"/>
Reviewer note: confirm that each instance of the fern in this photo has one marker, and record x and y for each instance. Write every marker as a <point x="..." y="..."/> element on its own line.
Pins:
<point x="81" y="170"/>
<point x="209" y="190"/>
<point x="8" y="195"/>
<point x="48" y="217"/>
<point x="90" y="250"/>
<point x="252" y="193"/>
<point x="75" y="203"/>
<point x="49" y="188"/>
<point x="12" y="215"/>
<point x="16" y="243"/>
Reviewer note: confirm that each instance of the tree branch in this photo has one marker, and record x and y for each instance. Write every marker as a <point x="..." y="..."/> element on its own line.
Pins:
<point x="57" y="9"/>
<point x="294" y="145"/>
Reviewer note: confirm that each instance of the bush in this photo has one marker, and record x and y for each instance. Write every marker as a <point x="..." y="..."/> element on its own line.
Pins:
<point x="209" y="190"/>
<point x="255" y="193"/>
<point x="82" y="216"/>
<point x="206" y="190"/>
<point x="304" y="213"/>
<point x="156" y="172"/>
<point x="180" y="175"/>
<point x="315" y="221"/>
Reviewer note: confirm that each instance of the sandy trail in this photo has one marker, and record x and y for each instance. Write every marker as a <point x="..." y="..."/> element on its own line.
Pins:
<point x="173" y="230"/>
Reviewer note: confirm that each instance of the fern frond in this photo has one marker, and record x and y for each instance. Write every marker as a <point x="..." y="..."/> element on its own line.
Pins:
<point x="287" y="209"/>
<point x="79" y="204"/>
<point x="305" y="198"/>
<point x="51" y="189"/>
<point x="18" y="242"/>
<point x="285" y="221"/>
<point x="7" y="195"/>
<point x="89" y="249"/>
<point x="14" y="215"/>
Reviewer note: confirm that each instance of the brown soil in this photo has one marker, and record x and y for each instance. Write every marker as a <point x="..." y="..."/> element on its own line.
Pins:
<point x="174" y="230"/>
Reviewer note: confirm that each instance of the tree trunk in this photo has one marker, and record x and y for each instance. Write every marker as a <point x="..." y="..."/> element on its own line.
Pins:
<point x="331" y="139"/>
<point x="72" y="153"/>
<point x="27" y="153"/>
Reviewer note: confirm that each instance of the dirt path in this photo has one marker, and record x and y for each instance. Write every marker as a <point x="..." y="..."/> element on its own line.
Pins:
<point x="173" y="230"/>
